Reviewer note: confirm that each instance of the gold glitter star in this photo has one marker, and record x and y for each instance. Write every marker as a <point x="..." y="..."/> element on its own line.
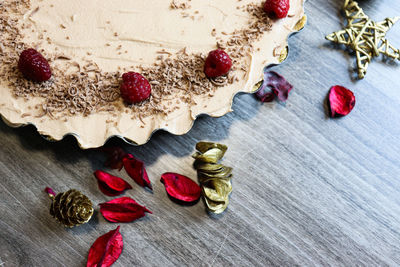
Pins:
<point x="364" y="36"/>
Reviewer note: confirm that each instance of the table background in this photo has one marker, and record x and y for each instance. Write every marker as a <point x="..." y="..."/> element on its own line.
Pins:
<point x="307" y="190"/>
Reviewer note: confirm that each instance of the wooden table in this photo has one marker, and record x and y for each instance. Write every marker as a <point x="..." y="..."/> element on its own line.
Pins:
<point x="308" y="190"/>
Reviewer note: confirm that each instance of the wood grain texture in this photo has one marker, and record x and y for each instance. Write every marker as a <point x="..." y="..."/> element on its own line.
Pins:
<point x="308" y="190"/>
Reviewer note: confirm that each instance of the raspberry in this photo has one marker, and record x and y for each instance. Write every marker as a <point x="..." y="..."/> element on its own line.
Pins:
<point x="279" y="8"/>
<point x="34" y="66"/>
<point x="134" y="88"/>
<point x="218" y="63"/>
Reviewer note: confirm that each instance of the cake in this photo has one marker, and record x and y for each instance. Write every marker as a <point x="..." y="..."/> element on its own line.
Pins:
<point x="90" y="44"/>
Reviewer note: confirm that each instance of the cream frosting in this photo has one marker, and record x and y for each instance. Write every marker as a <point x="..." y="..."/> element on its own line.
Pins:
<point x="94" y="29"/>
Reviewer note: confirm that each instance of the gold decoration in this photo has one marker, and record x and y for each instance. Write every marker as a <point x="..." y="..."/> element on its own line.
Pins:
<point x="301" y="23"/>
<point x="214" y="178"/>
<point x="71" y="208"/>
<point x="365" y="36"/>
<point x="283" y="55"/>
<point x="256" y="87"/>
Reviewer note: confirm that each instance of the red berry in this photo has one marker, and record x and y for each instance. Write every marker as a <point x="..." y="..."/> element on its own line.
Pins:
<point x="279" y="8"/>
<point x="34" y="66"/>
<point x="134" y="88"/>
<point x="218" y="63"/>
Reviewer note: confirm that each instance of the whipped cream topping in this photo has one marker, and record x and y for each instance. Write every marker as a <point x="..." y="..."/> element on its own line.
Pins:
<point x="125" y="35"/>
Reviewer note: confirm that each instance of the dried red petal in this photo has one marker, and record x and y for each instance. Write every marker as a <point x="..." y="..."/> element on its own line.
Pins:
<point x="123" y="209"/>
<point x="111" y="185"/>
<point x="265" y="95"/>
<point x="341" y="101"/>
<point x="274" y="85"/>
<point x="136" y="170"/>
<point x="181" y="187"/>
<point x="106" y="249"/>
<point x="115" y="156"/>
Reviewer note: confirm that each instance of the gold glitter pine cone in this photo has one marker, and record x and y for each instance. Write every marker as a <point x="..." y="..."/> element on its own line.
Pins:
<point x="71" y="208"/>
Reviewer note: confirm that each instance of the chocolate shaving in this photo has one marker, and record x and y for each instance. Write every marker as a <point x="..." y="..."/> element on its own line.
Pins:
<point x="220" y="81"/>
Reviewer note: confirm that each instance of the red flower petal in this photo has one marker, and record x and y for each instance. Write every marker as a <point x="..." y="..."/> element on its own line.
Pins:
<point x="265" y="95"/>
<point x="106" y="249"/>
<point x="181" y="187"/>
<point x="123" y="209"/>
<point x="111" y="185"/>
<point x="115" y="156"/>
<point x="137" y="171"/>
<point x="341" y="101"/>
<point x="274" y="84"/>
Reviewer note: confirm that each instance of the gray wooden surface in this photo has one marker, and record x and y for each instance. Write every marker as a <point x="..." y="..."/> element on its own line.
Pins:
<point x="308" y="190"/>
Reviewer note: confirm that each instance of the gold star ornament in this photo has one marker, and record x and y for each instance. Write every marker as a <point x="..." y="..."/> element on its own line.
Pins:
<point x="365" y="36"/>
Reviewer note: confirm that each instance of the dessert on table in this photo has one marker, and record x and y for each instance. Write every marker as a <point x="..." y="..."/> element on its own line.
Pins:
<point x="187" y="58"/>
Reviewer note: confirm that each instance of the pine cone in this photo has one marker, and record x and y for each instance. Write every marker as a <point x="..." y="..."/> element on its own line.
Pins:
<point x="71" y="208"/>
